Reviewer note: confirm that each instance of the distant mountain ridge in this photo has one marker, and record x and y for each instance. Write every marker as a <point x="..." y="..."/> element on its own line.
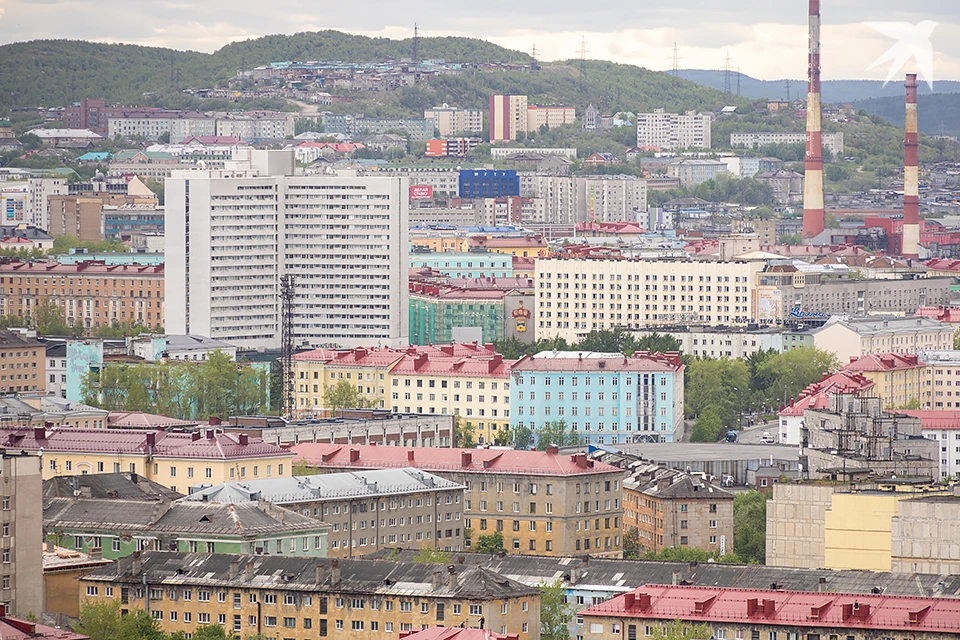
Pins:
<point x="833" y="91"/>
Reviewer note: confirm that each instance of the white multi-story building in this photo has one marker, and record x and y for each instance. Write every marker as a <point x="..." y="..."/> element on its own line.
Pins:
<point x="558" y="194"/>
<point x="452" y="121"/>
<point x="690" y="130"/>
<point x="38" y="204"/>
<point x="183" y="128"/>
<point x="231" y="235"/>
<point x="577" y="296"/>
<point x="149" y="126"/>
<point x="832" y="140"/>
<point x="610" y="198"/>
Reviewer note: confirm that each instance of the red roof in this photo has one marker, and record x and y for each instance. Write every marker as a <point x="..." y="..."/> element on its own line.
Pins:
<point x="141" y="420"/>
<point x="610" y="227"/>
<point x="483" y="241"/>
<point x="784" y="608"/>
<point x="84" y="267"/>
<point x="884" y="362"/>
<point x="934" y="419"/>
<point x="212" y="444"/>
<point x="950" y="315"/>
<point x="817" y="395"/>
<point x="18" y="629"/>
<point x="600" y="362"/>
<point x="358" y="457"/>
<point x="424" y="364"/>
<point x="212" y="140"/>
<point x="386" y="356"/>
<point x="942" y="264"/>
<point x="455" y="633"/>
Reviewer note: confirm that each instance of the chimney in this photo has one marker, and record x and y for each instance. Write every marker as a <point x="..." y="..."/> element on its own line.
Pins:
<point x="354" y="455"/>
<point x="210" y="433"/>
<point x="335" y="573"/>
<point x="3" y="611"/>
<point x="321" y="574"/>
<point x="244" y="439"/>
<point x="214" y="421"/>
<point x="911" y="175"/>
<point x="48" y="546"/>
<point x="194" y="436"/>
<point x="248" y="570"/>
<point x="466" y="458"/>
<point x="437" y="579"/>
<point x="151" y="439"/>
<point x="675" y="579"/>
<point x="410" y="455"/>
<point x="452" y="577"/>
<point x="814" y="215"/>
<point x="552" y="449"/>
<point x="234" y="569"/>
<point x="136" y="566"/>
<point x="579" y="459"/>
<point x="96" y="553"/>
<point x="39" y="433"/>
<point x="628" y="601"/>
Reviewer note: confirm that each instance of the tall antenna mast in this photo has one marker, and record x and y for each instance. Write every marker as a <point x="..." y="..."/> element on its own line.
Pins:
<point x="726" y="74"/>
<point x="416" y="44"/>
<point x="676" y="61"/>
<point x="287" y="286"/>
<point x="583" y="64"/>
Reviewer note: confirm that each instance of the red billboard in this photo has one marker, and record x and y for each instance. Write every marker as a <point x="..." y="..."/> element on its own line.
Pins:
<point x="421" y="191"/>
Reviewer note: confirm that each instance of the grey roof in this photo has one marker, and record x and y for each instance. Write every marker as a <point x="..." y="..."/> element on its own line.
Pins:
<point x="290" y="573"/>
<point x="667" y="452"/>
<point x="126" y="486"/>
<point x="240" y="520"/>
<point x="177" y="342"/>
<point x="614" y="575"/>
<point x="882" y="325"/>
<point x="329" y="486"/>
<point x="675" y="484"/>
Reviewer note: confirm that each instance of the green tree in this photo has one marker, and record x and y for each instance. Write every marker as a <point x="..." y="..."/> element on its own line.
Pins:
<point x="48" y="319"/>
<point x="157" y="187"/>
<point x="559" y="433"/>
<point x="792" y="371"/>
<point x="492" y="543"/>
<point x="301" y="468"/>
<point x="206" y="632"/>
<point x="680" y="630"/>
<point x="63" y="244"/>
<point x="523" y="438"/>
<point x="464" y="433"/>
<point x="750" y="525"/>
<point x="555" y="612"/>
<point x="708" y="426"/>
<point x="343" y="395"/>
<point x="658" y="343"/>
<point x="103" y="621"/>
<point x="432" y="555"/>
<point x="631" y="543"/>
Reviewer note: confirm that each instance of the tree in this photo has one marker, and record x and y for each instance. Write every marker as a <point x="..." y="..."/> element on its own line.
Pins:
<point x="157" y="187"/>
<point x="103" y="621"/>
<point x="631" y="543"/>
<point x="658" y="343"/>
<point x="679" y="630"/>
<point x="48" y="319"/>
<point x="792" y="371"/>
<point x="708" y="426"/>
<point x="492" y="543"/>
<point x="342" y="395"/>
<point x="750" y="526"/>
<point x="432" y="556"/>
<point x="206" y="632"/>
<point x="555" y="613"/>
<point x="302" y="468"/>
<point x="523" y="438"/>
<point x="557" y="432"/>
<point x="464" y="433"/>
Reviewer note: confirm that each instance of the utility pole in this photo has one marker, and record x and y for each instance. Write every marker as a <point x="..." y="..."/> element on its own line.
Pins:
<point x="788" y="90"/>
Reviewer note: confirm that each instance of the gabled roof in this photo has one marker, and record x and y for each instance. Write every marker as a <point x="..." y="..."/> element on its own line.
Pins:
<point x="142" y="420"/>
<point x="593" y="362"/>
<point x="18" y="629"/>
<point x="883" y="362"/>
<point x="123" y="486"/>
<point x="790" y="609"/>
<point x="817" y="395"/>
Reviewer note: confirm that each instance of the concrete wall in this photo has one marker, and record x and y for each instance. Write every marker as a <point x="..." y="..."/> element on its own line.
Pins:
<point x="925" y="536"/>
<point x="795" y="524"/>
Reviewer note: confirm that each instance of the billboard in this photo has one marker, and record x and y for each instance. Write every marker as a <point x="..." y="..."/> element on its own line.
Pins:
<point x="768" y="305"/>
<point x="421" y="191"/>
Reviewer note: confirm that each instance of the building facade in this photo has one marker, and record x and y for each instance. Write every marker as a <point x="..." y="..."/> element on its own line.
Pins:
<point x="579" y="295"/>
<point x="849" y="337"/>
<point x="542" y="502"/>
<point x="83" y="215"/>
<point x="232" y="235"/>
<point x="507" y="117"/>
<point x="667" y="131"/>
<point x="452" y="121"/>
<point x="21" y="518"/>
<point x="693" y="171"/>
<point x="900" y="380"/>
<point x="22" y="363"/>
<point x="549" y="115"/>
<point x="606" y="398"/>
<point x="611" y="198"/>
<point x="380" y="509"/>
<point x="832" y="140"/>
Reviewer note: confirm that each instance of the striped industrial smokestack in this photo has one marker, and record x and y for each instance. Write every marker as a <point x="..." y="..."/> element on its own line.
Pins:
<point x="813" y="209"/>
<point x="911" y="175"/>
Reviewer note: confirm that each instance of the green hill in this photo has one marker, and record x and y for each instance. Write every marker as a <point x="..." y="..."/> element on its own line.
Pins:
<point x="936" y="114"/>
<point x="58" y="72"/>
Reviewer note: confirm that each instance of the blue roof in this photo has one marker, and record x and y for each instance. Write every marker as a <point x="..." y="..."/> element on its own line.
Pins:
<point x="95" y="155"/>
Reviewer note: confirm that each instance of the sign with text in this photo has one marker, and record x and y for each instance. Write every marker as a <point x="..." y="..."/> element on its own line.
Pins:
<point x="421" y="192"/>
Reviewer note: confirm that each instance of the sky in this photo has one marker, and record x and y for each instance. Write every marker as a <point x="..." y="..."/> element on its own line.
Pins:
<point x="765" y="39"/>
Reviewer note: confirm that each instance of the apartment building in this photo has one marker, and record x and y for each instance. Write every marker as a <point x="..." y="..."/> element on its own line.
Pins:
<point x="610" y="198"/>
<point x="255" y="126"/>
<point x="817" y="395"/>
<point x="558" y="194"/>
<point x="21" y="589"/>
<point x="452" y="121"/>
<point x="379" y="509"/>
<point x="444" y="181"/>
<point x="579" y="295"/>
<point x="674" y="508"/>
<point x="306" y="598"/>
<point x="943" y="379"/>
<point x="606" y="398"/>
<point x="689" y="130"/>
<point x="116" y="528"/>
<point x="924" y="535"/>
<point x="549" y="115"/>
<point x="39" y="191"/>
<point x="850" y="336"/>
<point x="149" y="124"/>
<point x="169" y="458"/>
<point x="508" y="117"/>
<point x="774" y="614"/>
<point x="899" y="379"/>
<point x="82" y="215"/>
<point x="90" y="294"/>
<point x="832" y="140"/>
<point x="22" y="363"/>
<point x="723" y="342"/>
<point x="190" y="126"/>
<point x="231" y="235"/>
<point x="468" y="264"/>
<point x="693" y="171"/>
<point x="543" y="502"/>
<point x="942" y="426"/>
<point x="477" y="389"/>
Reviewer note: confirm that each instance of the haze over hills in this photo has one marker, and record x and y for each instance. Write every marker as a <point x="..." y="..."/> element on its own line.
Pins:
<point x="832" y="90"/>
<point x="57" y="72"/>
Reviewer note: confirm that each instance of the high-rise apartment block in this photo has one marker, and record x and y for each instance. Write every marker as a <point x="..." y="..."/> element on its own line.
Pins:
<point x="690" y="130"/>
<point x="21" y="514"/>
<point x="451" y="121"/>
<point x="551" y="115"/>
<point x="231" y="235"/>
<point x="508" y="116"/>
<point x="611" y="198"/>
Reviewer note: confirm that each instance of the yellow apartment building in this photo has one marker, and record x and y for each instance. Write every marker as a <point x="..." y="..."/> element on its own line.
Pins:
<point x="440" y="244"/>
<point x="899" y="379"/>
<point x="175" y="460"/>
<point x="517" y="246"/>
<point x="309" y="598"/>
<point x="476" y="389"/>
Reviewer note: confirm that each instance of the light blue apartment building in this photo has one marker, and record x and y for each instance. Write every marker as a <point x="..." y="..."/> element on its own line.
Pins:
<point x="605" y="397"/>
<point x="465" y="265"/>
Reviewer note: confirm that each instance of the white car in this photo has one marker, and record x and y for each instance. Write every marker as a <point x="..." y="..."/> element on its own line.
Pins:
<point x="766" y="438"/>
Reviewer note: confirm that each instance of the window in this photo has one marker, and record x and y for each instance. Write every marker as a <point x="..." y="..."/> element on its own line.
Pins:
<point x="356" y="625"/>
<point x="269" y="621"/>
<point x="289" y="623"/>
<point x="92" y="591"/>
<point x="476" y="609"/>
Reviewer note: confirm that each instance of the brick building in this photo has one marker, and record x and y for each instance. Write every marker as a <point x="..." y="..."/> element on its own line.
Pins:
<point x="22" y="363"/>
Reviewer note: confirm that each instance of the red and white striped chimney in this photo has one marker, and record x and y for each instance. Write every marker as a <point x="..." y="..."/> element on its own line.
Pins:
<point x="813" y="208"/>
<point x="911" y="175"/>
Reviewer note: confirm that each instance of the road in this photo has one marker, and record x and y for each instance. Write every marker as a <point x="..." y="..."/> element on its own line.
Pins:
<point x="752" y="435"/>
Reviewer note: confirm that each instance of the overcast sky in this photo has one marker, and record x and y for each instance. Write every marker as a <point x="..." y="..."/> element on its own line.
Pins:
<point x="765" y="38"/>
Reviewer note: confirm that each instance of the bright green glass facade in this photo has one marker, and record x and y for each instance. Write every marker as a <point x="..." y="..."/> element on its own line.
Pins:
<point x="432" y="321"/>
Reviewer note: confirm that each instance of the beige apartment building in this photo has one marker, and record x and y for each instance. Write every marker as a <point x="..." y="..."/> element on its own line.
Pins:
<point x="451" y="121"/>
<point x="578" y="295"/>
<point x="860" y="336"/>
<point x="21" y="518"/>
<point x="22" y="363"/>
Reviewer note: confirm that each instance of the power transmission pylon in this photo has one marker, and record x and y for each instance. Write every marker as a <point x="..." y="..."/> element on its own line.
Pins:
<point x="287" y="287"/>
<point x="416" y="44"/>
<point x="583" y="64"/>
<point x="726" y="74"/>
<point x="676" y="62"/>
